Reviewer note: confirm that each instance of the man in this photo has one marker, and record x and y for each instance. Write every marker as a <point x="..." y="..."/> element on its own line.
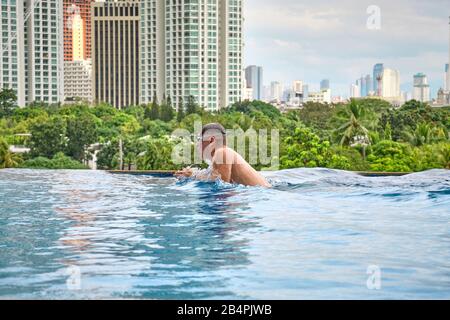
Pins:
<point x="226" y="163"/>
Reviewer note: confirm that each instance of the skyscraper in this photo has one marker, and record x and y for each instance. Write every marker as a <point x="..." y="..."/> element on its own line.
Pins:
<point x="325" y="84"/>
<point x="44" y="51"/>
<point x="377" y="78"/>
<point x="355" y="91"/>
<point x="421" y="89"/>
<point x="32" y="50"/>
<point x="115" y="52"/>
<point x="369" y="86"/>
<point x="448" y="62"/>
<point x="276" y="91"/>
<point x="192" y="48"/>
<point x="254" y="79"/>
<point x="446" y="74"/>
<point x="12" y="48"/>
<point x="77" y="18"/>
<point x="390" y="84"/>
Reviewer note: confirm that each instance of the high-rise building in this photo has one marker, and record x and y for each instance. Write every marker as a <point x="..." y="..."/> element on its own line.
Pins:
<point x="355" y="91"/>
<point x="377" y="78"/>
<point x="77" y="20"/>
<point x="369" y="86"/>
<point x="390" y="84"/>
<point x="297" y="86"/>
<point x="362" y="85"/>
<point x="448" y="69"/>
<point x="276" y="91"/>
<point x="305" y="92"/>
<point x="297" y="92"/>
<point x="254" y="80"/>
<point x="325" y="84"/>
<point x="32" y="50"/>
<point x="44" y="52"/>
<point x="192" y="48"/>
<point x="12" y="48"/>
<point x="78" y="80"/>
<point x="421" y="90"/>
<point x="446" y="74"/>
<point x="115" y="52"/>
<point x="78" y="38"/>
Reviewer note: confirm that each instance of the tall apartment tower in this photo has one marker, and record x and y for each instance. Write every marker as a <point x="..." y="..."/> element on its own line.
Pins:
<point x="44" y="51"/>
<point x="77" y="16"/>
<point x="12" y="48"/>
<point x="448" y="62"/>
<point x="325" y="84"/>
<point x="390" y="83"/>
<point x="254" y="79"/>
<point x="115" y="52"/>
<point x="192" y="48"/>
<point x="421" y="89"/>
<point x="32" y="50"/>
<point x="377" y="79"/>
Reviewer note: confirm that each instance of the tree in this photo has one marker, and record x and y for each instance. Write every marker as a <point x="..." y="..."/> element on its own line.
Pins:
<point x="167" y="112"/>
<point x="8" y="102"/>
<point x="353" y="121"/>
<point x="191" y="106"/>
<point x="47" y="137"/>
<point x="81" y="132"/>
<point x="180" y="114"/>
<point x="305" y="149"/>
<point x="107" y="157"/>
<point x="7" y="158"/>
<point x="424" y="134"/>
<point x="152" y="111"/>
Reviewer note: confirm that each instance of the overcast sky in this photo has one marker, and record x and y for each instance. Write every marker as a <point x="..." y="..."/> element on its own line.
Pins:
<point x="314" y="39"/>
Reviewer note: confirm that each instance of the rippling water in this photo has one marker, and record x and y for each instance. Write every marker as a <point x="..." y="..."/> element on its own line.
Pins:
<point x="91" y="234"/>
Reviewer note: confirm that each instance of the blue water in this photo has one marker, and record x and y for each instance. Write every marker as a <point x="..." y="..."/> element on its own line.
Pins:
<point x="91" y="234"/>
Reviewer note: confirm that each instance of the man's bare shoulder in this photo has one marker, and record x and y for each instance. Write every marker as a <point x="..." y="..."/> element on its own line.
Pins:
<point x="227" y="155"/>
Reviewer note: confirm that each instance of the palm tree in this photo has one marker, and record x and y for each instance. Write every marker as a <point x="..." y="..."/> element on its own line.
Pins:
<point x="424" y="134"/>
<point x="353" y="122"/>
<point x="7" y="158"/>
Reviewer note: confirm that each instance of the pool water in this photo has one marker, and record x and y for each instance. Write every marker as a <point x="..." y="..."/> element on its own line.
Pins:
<point x="318" y="234"/>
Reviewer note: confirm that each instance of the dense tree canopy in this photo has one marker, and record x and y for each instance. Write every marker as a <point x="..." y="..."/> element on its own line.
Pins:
<point x="364" y="134"/>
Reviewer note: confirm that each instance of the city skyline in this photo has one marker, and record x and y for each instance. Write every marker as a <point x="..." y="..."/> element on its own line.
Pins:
<point x="413" y="42"/>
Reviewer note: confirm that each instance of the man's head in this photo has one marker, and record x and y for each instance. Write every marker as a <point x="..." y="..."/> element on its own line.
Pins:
<point x="213" y="137"/>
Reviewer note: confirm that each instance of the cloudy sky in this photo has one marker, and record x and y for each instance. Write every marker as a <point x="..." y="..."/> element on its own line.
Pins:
<point x="314" y="39"/>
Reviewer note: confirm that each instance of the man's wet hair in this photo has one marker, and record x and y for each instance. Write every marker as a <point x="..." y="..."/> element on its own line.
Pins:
<point x="217" y="127"/>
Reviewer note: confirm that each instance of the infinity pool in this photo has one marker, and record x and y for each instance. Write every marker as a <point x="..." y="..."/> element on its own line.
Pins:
<point x="318" y="234"/>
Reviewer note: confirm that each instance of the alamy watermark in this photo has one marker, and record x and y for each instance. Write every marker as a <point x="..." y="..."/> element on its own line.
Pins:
<point x="374" y="19"/>
<point x="374" y="280"/>
<point x="73" y="282"/>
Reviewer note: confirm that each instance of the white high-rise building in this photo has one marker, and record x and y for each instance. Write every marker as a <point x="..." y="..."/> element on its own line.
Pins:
<point x="297" y="86"/>
<point x="276" y="91"/>
<point x="390" y="84"/>
<point x="191" y="48"/>
<point x="78" y="80"/>
<point x="12" y="48"/>
<point x="421" y="89"/>
<point x="32" y="50"/>
<point x="448" y="69"/>
<point x="44" y="51"/>
<point x="355" y="91"/>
